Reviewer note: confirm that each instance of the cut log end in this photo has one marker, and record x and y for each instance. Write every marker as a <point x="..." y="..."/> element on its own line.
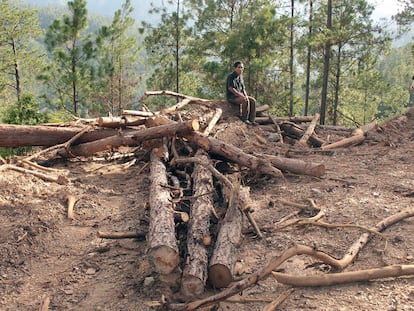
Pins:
<point x="219" y="276"/>
<point x="192" y="286"/>
<point x="163" y="259"/>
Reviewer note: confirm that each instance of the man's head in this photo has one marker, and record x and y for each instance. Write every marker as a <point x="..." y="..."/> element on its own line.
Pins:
<point x="238" y="67"/>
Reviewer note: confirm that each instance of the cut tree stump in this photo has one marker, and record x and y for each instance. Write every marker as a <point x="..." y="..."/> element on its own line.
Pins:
<point x="220" y="272"/>
<point x="163" y="250"/>
<point x="195" y="271"/>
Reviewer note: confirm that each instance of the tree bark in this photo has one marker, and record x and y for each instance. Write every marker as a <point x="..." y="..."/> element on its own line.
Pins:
<point x="293" y="130"/>
<point x="295" y="166"/>
<point x="344" y="277"/>
<point x="268" y="119"/>
<point x="309" y="131"/>
<point x="222" y="261"/>
<point x="39" y="135"/>
<point x="163" y="249"/>
<point x="133" y="138"/>
<point x="357" y="137"/>
<point x="234" y="154"/>
<point x="195" y="271"/>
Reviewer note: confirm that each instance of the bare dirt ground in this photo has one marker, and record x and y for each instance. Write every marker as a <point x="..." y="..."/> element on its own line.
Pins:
<point x="45" y="254"/>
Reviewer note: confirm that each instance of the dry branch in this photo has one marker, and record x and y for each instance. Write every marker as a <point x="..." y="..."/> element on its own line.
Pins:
<point x="357" y="137"/>
<point x="121" y="235"/>
<point x="345" y="277"/>
<point x="279" y="300"/>
<point x="308" y="133"/>
<point x="213" y="122"/>
<point x="71" y="200"/>
<point x="62" y="180"/>
<point x="274" y="263"/>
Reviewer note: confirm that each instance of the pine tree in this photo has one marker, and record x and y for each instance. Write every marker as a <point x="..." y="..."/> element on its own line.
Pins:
<point x="69" y="74"/>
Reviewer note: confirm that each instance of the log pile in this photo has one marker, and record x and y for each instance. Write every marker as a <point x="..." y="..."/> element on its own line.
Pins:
<point x="182" y="161"/>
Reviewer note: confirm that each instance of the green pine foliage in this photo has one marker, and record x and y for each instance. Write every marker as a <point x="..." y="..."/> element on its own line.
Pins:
<point x="76" y="63"/>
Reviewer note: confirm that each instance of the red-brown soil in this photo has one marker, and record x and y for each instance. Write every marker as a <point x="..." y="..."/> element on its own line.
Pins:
<point x="43" y="253"/>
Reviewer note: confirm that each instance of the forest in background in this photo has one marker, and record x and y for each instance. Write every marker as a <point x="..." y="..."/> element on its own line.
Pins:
<point x="301" y="58"/>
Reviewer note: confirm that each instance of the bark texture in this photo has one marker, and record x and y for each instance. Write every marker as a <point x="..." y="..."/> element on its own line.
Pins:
<point x="222" y="261"/>
<point x="163" y="249"/>
<point x="195" y="271"/>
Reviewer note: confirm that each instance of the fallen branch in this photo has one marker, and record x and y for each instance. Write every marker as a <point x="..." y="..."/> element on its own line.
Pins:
<point x="308" y="133"/>
<point x="213" y="122"/>
<point x="358" y="136"/>
<point x="62" y="180"/>
<point x="279" y="300"/>
<point x="71" y="199"/>
<point x="121" y="235"/>
<point x="344" y="277"/>
<point x="274" y="263"/>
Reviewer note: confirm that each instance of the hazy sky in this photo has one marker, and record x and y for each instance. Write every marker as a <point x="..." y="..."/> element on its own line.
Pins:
<point x="383" y="8"/>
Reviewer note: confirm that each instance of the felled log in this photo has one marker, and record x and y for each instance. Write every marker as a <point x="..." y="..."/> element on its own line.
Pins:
<point x="232" y="153"/>
<point x="132" y="138"/>
<point x="357" y="137"/>
<point x="120" y="122"/>
<point x="163" y="249"/>
<point x="292" y="130"/>
<point x="220" y="272"/>
<point x="309" y="131"/>
<point x="298" y="119"/>
<point x="37" y="135"/>
<point x="195" y="271"/>
<point x="295" y="166"/>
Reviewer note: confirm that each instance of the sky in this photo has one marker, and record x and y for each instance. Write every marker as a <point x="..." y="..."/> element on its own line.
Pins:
<point x="383" y="8"/>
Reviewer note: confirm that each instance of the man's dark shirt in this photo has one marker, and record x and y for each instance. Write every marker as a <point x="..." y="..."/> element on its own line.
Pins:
<point x="236" y="82"/>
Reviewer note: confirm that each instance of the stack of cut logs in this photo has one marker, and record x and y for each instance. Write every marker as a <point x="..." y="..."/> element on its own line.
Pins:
<point x="162" y="136"/>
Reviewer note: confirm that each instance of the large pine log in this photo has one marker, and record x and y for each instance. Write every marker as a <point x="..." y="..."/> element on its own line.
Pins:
<point x="232" y="153"/>
<point x="195" y="271"/>
<point x="163" y="249"/>
<point x="37" y="135"/>
<point x="133" y="138"/>
<point x="295" y="166"/>
<point x="220" y="272"/>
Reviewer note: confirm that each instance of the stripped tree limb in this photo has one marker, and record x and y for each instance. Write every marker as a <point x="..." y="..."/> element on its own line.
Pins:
<point x="344" y="277"/>
<point x="213" y="122"/>
<point x="308" y="133"/>
<point x="71" y="199"/>
<point x="357" y="137"/>
<point x="279" y="300"/>
<point x="121" y="235"/>
<point x="62" y="180"/>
